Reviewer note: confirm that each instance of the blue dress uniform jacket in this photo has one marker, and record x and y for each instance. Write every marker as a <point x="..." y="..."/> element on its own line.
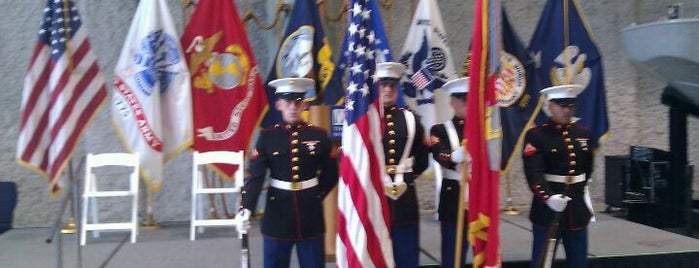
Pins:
<point x="292" y="153"/>
<point x="441" y="152"/>
<point x="405" y="209"/>
<point x="563" y="150"/>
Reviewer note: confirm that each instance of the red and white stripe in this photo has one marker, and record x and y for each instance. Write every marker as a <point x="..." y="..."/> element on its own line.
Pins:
<point x="363" y="218"/>
<point x="59" y="100"/>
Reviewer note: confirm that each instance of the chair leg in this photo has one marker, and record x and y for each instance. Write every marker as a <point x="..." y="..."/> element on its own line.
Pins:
<point x="95" y="214"/>
<point x="134" y="217"/>
<point x="200" y="211"/>
<point x="83" y="221"/>
<point x="192" y="211"/>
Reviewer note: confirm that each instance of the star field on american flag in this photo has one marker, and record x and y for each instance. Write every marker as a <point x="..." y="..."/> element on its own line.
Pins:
<point x="53" y="29"/>
<point x="360" y="56"/>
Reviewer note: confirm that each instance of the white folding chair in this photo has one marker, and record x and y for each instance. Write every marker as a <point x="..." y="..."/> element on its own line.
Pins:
<point x="91" y="193"/>
<point x="200" y="160"/>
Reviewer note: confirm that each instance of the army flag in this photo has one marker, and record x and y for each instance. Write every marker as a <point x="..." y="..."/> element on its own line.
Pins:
<point x="304" y="52"/>
<point x="63" y="90"/>
<point x="565" y="53"/>
<point x="363" y="218"/>
<point x="228" y="96"/>
<point x="483" y="136"/>
<point x="383" y="54"/>
<point x="517" y="92"/>
<point x="151" y="100"/>
<point x="428" y="65"/>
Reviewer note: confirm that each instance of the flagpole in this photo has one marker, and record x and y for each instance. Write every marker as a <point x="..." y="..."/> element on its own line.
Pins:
<point x="149" y="223"/>
<point x="460" y="214"/>
<point x="509" y="210"/>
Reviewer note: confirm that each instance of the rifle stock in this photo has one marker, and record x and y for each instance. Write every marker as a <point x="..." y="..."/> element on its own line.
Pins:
<point x="545" y="259"/>
<point x="244" y="251"/>
<point x="548" y="253"/>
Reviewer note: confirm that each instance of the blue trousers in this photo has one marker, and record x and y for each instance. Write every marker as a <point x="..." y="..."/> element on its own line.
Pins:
<point x="574" y="242"/>
<point x="406" y="245"/>
<point x="277" y="253"/>
<point x="449" y="244"/>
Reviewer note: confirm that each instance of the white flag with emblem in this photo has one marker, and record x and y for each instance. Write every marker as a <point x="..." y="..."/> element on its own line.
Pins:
<point x="429" y="65"/>
<point x="151" y="100"/>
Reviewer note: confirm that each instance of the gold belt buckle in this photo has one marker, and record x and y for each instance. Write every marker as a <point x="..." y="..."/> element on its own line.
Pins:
<point x="295" y="186"/>
<point x="570" y="179"/>
<point x="391" y="169"/>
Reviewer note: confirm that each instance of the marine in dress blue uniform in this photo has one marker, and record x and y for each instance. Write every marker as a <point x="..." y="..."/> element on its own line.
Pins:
<point x="406" y="156"/>
<point x="302" y="172"/>
<point x="450" y="154"/>
<point x="558" y="161"/>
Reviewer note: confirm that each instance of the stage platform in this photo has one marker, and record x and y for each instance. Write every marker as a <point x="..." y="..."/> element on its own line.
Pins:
<point x="613" y="243"/>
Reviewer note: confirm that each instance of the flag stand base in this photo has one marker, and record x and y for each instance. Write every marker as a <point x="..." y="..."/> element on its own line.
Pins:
<point x="69" y="228"/>
<point x="150" y="224"/>
<point x="510" y="210"/>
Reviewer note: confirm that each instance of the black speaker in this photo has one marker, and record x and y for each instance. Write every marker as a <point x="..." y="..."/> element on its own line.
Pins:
<point x="614" y="174"/>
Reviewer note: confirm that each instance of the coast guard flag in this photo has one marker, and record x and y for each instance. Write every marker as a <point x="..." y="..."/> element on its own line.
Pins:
<point x="428" y="62"/>
<point x="228" y="96"/>
<point x="151" y="101"/>
<point x="576" y="61"/>
<point x="483" y="136"/>
<point x="304" y="52"/>
<point x="383" y="54"/>
<point x="517" y="94"/>
<point x="62" y="92"/>
<point x="363" y="218"/>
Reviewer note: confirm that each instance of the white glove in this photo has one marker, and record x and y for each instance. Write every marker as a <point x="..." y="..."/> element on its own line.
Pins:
<point x="588" y="202"/>
<point x="458" y="155"/>
<point x="557" y="202"/>
<point x="243" y="218"/>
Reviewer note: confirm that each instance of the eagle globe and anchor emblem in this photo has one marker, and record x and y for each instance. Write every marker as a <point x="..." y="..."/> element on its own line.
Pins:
<point x="295" y="58"/>
<point x="228" y="70"/>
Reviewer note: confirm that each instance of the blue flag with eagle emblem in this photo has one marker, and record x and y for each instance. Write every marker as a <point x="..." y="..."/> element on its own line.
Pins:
<point x="304" y="52"/>
<point x="575" y="60"/>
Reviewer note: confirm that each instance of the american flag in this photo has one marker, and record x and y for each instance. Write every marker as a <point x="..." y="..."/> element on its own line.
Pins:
<point x="363" y="218"/>
<point x="62" y="92"/>
<point x="422" y="78"/>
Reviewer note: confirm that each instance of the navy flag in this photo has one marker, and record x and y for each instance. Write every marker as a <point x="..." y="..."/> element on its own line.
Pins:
<point x="334" y="95"/>
<point x="517" y="92"/>
<point x="304" y="52"/>
<point x="572" y="57"/>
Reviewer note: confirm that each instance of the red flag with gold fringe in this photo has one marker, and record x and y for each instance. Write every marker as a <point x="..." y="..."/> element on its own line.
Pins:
<point x="228" y="96"/>
<point x="483" y="136"/>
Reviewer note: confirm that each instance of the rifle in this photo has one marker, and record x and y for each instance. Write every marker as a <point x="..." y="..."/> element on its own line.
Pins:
<point x="548" y="253"/>
<point x="244" y="250"/>
<point x="545" y="259"/>
<point x="244" y="244"/>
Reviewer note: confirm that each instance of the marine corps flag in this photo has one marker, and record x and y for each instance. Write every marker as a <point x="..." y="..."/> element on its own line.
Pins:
<point x="565" y="53"/>
<point x="228" y="96"/>
<point x="304" y="52"/>
<point x="428" y="62"/>
<point x="151" y="100"/>
<point x="517" y="94"/>
<point x="483" y="136"/>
